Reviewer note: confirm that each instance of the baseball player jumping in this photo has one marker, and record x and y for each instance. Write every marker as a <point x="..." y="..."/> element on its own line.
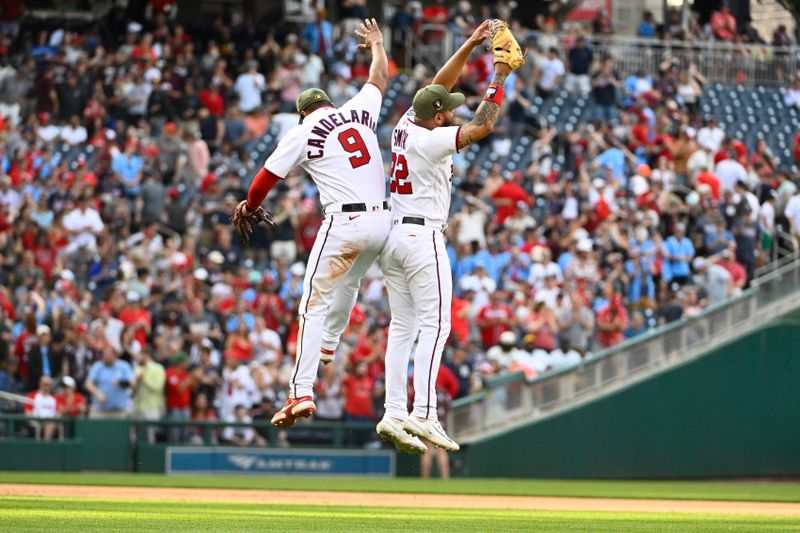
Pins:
<point x="415" y="261"/>
<point x="339" y="149"/>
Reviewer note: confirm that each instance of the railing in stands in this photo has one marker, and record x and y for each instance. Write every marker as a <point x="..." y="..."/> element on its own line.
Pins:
<point x="510" y="400"/>
<point x="208" y="432"/>
<point x="721" y="62"/>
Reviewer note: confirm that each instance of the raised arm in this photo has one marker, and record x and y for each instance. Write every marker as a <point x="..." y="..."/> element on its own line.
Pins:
<point x="449" y="73"/>
<point x="370" y="33"/>
<point x="485" y="117"/>
<point x="507" y="57"/>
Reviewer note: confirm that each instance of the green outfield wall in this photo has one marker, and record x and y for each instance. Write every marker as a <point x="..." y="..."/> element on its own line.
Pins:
<point x="732" y="413"/>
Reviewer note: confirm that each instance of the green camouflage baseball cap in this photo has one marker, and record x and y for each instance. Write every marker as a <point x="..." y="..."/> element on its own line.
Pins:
<point x="435" y="99"/>
<point x="310" y="96"/>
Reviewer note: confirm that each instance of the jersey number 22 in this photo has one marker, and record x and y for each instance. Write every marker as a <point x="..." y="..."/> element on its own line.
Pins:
<point x="399" y="174"/>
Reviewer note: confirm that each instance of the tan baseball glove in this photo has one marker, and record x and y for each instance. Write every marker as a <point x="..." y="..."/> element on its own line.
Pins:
<point x="504" y="46"/>
<point x="245" y="220"/>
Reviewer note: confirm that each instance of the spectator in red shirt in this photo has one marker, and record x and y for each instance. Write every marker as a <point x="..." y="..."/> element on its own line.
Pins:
<point x="25" y="343"/>
<point x="736" y="270"/>
<point x="370" y="350"/>
<point x="493" y="319"/>
<point x="144" y="50"/>
<point x="507" y="198"/>
<point x="358" y="394"/>
<point x="133" y="314"/>
<point x="612" y="319"/>
<point x="723" y="25"/>
<point x="796" y="148"/>
<point x="71" y="403"/>
<point x="212" y="99"/>
<point x="179" y="396"/>
<point x="459" y="322"/>
<point x="707" y="178"/>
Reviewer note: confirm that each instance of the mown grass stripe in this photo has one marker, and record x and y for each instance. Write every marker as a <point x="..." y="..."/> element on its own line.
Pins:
<point x="678" y="490"/>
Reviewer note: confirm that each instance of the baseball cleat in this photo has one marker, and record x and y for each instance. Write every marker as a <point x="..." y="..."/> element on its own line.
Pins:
<point x="326" y="356"/>
<point x="431" y="431"/>
<point x="293" y="409"/>
<point x="392" y="430"/>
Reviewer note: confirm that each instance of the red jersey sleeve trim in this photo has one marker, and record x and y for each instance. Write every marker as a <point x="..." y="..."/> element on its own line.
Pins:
<point x="458" y="138"/>
<point x="262" y="184"/>
<point x="376" y="86"/>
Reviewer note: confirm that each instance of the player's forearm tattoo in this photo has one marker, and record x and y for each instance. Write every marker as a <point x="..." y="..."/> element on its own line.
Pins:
<point x="487" y="112"/>
<point x="486" y="115"/>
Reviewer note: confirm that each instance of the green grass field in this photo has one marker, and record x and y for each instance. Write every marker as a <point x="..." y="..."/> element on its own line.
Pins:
<point x="97" y="514"/>
<point x="671" y="490"/>
<point x="52" y="514"/>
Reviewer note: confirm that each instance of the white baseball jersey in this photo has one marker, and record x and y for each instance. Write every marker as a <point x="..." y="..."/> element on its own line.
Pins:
<point x="422" y="169"/>
<point x="339" y="149"/>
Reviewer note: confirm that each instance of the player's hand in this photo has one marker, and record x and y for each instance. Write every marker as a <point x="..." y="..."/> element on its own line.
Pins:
<point x="245" y="221"/>
<point x="481" y="33"/>
<point x="370" y="33"/>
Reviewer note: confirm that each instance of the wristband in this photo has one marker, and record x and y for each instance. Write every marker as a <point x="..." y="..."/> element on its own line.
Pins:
<point x="494" y="94"/>
<point x="246" y="211"/>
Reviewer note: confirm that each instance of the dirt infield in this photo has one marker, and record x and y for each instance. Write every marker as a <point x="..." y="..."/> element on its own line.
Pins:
<point x="378" y="499"/>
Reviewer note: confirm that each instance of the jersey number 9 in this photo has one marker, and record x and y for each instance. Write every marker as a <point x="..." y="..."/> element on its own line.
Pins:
<point x="352" y="143"/>
<point x="399" y="175"/>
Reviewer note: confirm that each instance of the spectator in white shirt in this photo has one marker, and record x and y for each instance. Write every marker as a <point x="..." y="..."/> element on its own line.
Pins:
<point x="249" y="86"/>
<point x="699" y="161"/>
<point x="750" y="199"/>
<point x="313" y="67"/>
<point x="481" y="284"/>
<point x="542" y="267"/>
<point x="238" y="387"/>
<point x="552" y="71"/>
<point x="766" y="216"/>
<point x="792" y="213"/>
<point x="45" y="406"/>
<point x="729" y="171"/>
<point x="472" y="221"/>
<point x="74" y="133"/>
<point x="504" y="354"/>
<point x="564" y="356"/>
<point x="791" y="95"/>
<point x="549" y="292"/>
<point x="242" y="435"/>
<point x="46" y="131"/>
<point x="710" y="136"/>
<point x="9" y="197"/>
<point x="83" y="225"/>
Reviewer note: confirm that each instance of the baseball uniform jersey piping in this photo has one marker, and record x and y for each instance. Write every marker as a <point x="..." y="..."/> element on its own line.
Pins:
<point x="308" y="299"/>
<point x="439" y="330"/>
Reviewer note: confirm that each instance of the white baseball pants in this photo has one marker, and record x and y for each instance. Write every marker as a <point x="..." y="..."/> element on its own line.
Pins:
<point x="420" y="286"/>
<point x="346" y="246"/>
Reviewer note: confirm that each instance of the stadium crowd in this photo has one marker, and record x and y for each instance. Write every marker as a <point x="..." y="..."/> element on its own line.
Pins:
<point x="124" y="150"/>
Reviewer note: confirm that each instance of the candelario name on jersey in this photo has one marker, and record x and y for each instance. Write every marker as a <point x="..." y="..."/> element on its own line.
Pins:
<point x="332" y="121"/>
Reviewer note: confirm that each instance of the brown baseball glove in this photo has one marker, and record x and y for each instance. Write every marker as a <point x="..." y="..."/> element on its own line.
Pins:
<point x="245" y="220"/>
<point x="504" y="46"/>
